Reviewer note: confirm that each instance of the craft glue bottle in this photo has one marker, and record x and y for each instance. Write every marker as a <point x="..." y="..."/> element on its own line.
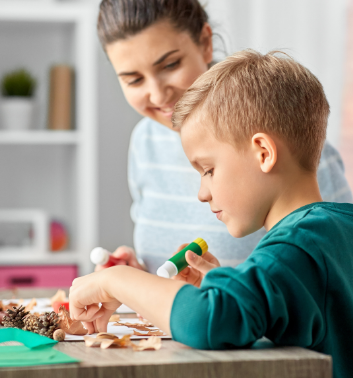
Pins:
<point x="178" y="262"/>
<point x="100" y="256"/>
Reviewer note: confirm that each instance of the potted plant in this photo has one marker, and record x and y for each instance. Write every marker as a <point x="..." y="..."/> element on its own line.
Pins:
<point x="17" y="104"/>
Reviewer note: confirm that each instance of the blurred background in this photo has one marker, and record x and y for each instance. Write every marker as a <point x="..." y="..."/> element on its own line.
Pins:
<point x="64" y="144"/>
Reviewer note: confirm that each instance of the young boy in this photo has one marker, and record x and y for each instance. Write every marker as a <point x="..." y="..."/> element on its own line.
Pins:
<point x="253" y="126"/>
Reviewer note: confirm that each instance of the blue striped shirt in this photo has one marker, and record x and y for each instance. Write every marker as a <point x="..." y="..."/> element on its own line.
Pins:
<point x="165" y="208"/>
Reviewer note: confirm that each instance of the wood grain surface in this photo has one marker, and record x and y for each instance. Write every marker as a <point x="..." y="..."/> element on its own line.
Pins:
<point x="175" y="360"/>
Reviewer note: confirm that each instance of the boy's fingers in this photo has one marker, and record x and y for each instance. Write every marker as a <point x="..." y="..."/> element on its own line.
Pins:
<point x="89" y="326"/>
<point x="86" y="314"/>
<point x="198" y="263"/>
<point x="183" y="275"/>
<point x="102" y="322"/>
<point x="211" y="259"/>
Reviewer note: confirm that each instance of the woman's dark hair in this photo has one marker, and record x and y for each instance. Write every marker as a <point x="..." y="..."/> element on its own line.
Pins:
<point x="119" y="19"/>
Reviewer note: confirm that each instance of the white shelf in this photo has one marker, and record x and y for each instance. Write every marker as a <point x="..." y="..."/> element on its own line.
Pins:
<point x="54" y="171"/>
<point x="39" y="137"/>
<point x="31" y="10"/>
<point x="51" y="258"/>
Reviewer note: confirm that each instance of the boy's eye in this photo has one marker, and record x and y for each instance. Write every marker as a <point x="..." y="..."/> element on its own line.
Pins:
<point x="172" y="65"/>
<point x="210" y="172"/>
<point x="135" y="81"/>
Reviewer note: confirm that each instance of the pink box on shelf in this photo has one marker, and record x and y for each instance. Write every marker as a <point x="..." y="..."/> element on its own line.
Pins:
<point x="37" y="276"/>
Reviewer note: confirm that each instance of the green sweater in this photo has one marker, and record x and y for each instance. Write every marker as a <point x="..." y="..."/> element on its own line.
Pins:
<point x="296" y="288"/>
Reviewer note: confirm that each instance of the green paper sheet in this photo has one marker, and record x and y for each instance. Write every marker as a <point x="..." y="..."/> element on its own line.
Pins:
<point x="37" y="350"/>
<point x="29" y="339"/>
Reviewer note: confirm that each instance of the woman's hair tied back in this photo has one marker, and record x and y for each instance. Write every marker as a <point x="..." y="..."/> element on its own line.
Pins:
<point x="120" y="19"/>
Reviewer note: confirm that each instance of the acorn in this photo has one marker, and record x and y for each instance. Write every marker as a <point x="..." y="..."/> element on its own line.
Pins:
<point x="59" y="335"/>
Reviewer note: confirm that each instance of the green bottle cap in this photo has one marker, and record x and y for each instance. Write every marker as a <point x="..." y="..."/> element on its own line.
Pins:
<point x="203" y="245"/>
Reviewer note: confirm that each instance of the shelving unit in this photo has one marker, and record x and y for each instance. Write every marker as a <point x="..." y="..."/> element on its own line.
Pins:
<point x="55" y="171"/>
<point x="40" y="137"/>
<point x="56" y="258"/>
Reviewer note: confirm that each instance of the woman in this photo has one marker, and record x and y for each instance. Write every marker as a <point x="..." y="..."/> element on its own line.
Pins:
<point x="158" y="48"/>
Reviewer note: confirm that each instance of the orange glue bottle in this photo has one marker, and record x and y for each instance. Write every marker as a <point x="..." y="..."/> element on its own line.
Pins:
<point x="100" y="256"/>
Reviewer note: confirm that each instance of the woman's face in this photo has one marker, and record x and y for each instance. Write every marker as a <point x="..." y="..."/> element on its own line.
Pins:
<point x="156" y="66"/>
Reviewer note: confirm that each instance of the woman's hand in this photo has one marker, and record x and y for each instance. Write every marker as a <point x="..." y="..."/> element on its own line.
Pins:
<point x="85" y="295"/>
<point x="198" y="267"/>
<point x="127" y="257"/>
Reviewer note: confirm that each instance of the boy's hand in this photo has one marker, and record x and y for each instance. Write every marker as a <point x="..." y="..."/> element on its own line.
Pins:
<point x="198" y="267"/>
<point x="85" y="295"/>
<point x="126" y="255"/>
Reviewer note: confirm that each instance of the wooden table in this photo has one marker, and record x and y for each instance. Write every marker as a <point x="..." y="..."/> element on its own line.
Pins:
<point x="175" y="360"/>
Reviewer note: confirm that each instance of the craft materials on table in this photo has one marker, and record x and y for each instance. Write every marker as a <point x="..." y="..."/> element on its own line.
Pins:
<point x="36" y="349"/>
<point x="136" y="329"/>
<point x="178" y="262"/>
<point x="39" y="305"/>
<point x="36" y="315"/>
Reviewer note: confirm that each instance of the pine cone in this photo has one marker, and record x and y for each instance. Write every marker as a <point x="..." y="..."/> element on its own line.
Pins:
<point x="14" y="318"/>
<point x="31" y="323"/>
<point x="47" y="324"/>
<point x="2" y="315"/>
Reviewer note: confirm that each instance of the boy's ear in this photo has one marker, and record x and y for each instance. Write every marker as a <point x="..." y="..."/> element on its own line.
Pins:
<point x="266" y="151"/>
<point x="206" y="43"/>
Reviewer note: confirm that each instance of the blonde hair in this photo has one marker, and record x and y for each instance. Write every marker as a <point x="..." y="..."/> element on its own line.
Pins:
<point x="249" y="93"/>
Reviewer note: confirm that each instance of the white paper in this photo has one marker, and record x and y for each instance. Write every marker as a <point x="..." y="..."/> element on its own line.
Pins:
<point x="125" y="310"/>
<point x="43" y="304"/>
<point x="119" y="331"/>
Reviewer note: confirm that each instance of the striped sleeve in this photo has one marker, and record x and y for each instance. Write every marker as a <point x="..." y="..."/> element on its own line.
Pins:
<point x="332" y="181"/>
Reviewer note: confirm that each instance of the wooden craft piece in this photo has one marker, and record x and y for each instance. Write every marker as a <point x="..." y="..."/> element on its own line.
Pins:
<point x="72" y="327"/>
<point x="60" y="296"/>
<point x="153" y="343"/>
<point x="139" y="326"/>
<point x="30" y="305"/>
<point x="9" y="306"/>
<point x="114" y="318"/>
<point x="106" y="340"/>
<point x="105" y="335"/>
<point x="150" y="333"/>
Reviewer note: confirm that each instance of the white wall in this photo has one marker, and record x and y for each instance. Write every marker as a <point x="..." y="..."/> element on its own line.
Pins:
<point x="312" y="31"/>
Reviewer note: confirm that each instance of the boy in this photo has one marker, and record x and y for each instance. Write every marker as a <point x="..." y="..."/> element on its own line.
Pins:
<point x="254" y="127"/>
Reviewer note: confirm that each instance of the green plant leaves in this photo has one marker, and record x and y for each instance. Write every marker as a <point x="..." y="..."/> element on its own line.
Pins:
<point x="18" y="83"/>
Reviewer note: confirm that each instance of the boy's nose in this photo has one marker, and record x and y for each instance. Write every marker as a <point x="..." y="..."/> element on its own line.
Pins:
<point x="204" y="195"/>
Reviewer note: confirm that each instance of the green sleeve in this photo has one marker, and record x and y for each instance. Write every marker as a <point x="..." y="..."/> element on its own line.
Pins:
<point x="283" y="300"/>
